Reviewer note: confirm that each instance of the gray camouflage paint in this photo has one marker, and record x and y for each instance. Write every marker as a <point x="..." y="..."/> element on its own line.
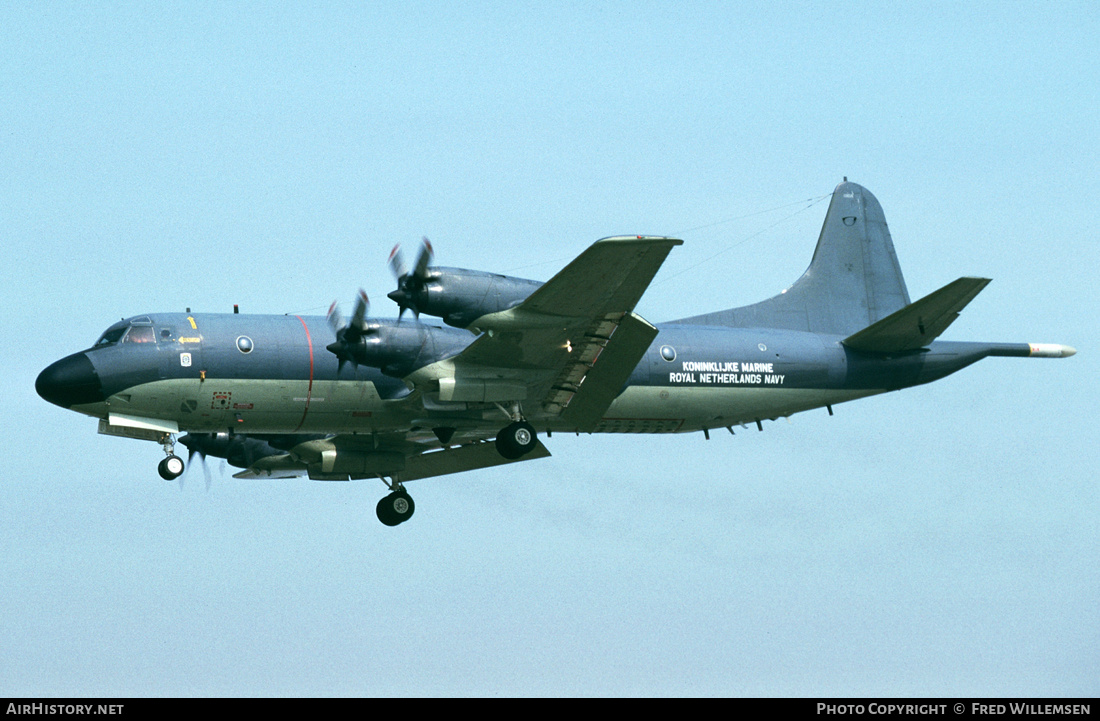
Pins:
<point x="763" y="361"/>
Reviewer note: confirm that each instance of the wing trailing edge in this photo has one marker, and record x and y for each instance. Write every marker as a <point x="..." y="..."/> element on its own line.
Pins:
<point x="609" y="371"/>
<point x="918" y="324"/>
<point x="463" y="458"/>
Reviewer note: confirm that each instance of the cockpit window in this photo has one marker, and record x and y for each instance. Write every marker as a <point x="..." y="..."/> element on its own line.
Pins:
<point x="131" y="330"/>
<point x="110" y="337"/>
<point x="140" y="334"/>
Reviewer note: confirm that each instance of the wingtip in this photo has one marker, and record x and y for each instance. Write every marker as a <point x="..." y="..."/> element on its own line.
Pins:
<point x="641" y="239"/>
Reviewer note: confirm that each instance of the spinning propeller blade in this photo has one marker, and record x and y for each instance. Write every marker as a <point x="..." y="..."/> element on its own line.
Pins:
<point x="359" y="315"/>
<point x="426" y="253"/>
<point x="195" y="447"/>
<point x="397" y="263"/>
<point x="335" y="317"/>
<point x="409" y="284"/>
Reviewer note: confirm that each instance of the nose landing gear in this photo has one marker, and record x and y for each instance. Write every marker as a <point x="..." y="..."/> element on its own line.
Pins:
<point x="171" y="467"/>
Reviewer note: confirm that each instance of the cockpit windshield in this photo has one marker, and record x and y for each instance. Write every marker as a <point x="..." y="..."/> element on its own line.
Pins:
<point x="140" y="334"/>
<point x="137" y="330"/>
<point x="111" y="337"/>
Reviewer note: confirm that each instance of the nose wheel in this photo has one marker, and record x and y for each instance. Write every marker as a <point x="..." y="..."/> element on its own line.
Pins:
<point x="170" y="468"/>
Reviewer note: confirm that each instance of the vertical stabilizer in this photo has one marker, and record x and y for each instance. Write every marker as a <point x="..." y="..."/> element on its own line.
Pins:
<point x="853" y="280"/>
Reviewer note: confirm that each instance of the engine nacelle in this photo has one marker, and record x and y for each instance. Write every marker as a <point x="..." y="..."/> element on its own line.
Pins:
<point x="342" y="464"/>
<point x="398" y="349"/>
<point x="461" y="296"/>
<point x="239" y="451"/>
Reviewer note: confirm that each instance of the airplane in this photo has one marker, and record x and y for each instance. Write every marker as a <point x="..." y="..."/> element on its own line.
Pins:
<point x="401" y="400"/>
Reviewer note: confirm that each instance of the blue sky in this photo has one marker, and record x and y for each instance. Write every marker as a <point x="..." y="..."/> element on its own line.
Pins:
<point x="938" y="541"/>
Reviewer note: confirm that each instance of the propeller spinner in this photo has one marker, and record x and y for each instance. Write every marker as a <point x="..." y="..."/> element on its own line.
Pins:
<point x="348" y="336"/>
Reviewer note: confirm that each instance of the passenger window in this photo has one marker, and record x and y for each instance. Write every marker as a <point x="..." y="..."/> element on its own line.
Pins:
<point x="140" y="334"/>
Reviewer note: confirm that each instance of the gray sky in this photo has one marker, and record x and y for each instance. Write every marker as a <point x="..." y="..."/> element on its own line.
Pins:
<point x="943" y="540"/>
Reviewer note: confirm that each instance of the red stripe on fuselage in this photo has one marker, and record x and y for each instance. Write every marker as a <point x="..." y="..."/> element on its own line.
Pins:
<point x="309" y="390"/>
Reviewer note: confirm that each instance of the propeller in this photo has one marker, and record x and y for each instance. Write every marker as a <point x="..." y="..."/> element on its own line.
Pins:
<point x="198" y="445"/>
<point x="238" y="450"/>
<point x="205" y="468"/>
<point x="348" y="336"/>
<point x="409" y="284"/>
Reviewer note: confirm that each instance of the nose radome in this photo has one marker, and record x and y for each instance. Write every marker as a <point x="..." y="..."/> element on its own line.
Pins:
<point x="70" y="381"/>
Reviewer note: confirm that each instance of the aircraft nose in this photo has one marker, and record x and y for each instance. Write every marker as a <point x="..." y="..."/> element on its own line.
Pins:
<point x="70" y="381"/>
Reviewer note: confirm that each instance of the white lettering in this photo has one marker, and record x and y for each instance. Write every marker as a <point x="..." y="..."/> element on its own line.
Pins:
<point x="840" y="708"/>
<point x="727" y="373"/>
<point x="63" y="709"/>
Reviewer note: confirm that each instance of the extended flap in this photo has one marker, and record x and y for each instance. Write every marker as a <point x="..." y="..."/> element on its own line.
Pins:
<point x="609" y="371"/>
<point x="463" y="458"/>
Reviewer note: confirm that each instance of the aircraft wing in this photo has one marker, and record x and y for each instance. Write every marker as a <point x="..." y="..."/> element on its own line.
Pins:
<point x="401" y="456"/>
<point x="543" y="353"/>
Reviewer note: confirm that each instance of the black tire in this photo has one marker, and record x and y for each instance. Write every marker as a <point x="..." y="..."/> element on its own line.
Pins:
<point x="170" y="468"/>
<point x="395" y="508"/>
<point x="516" y="440"/>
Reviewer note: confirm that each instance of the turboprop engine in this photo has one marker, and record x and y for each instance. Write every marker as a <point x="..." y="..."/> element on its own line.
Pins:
<point x="457" y="295"/>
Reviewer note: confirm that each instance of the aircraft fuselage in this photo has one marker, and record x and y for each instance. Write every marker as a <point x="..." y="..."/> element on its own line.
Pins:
<point x="272" y="374"/>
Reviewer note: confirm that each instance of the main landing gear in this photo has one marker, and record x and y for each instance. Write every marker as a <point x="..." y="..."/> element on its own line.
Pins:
<point x="397" y="507"/>
<point x="516" y="440"/>
<point x="171" y="467"/>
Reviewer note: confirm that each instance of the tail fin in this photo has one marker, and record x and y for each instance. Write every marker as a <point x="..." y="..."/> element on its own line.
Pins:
<point x="853" y="280"/>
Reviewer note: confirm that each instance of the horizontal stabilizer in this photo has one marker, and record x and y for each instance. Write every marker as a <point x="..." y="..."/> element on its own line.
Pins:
<point x="918" y="324"/>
